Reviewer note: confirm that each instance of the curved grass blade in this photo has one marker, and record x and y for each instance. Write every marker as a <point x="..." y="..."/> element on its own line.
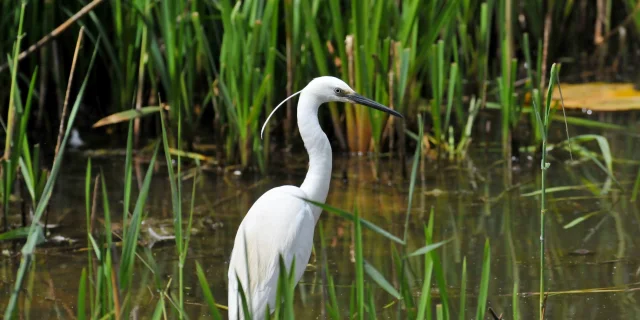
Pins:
<point x="428" y="248"/>
<point x="346" y="215"/>
<point x="581" y="219"/>
<point x="380" y="280"/>
<point x="18" y="233"/>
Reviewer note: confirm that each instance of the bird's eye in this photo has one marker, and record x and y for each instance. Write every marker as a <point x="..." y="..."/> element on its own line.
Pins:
<point x="337" y="91"/>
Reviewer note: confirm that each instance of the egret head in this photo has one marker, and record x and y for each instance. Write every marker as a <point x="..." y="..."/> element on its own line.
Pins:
<point x="330" y="89"/>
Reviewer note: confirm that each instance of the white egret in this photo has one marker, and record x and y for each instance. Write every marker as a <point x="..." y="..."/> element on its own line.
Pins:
<point x="280" y="222"/>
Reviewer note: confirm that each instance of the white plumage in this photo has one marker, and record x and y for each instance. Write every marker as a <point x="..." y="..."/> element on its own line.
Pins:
<point x="280" y="222"/>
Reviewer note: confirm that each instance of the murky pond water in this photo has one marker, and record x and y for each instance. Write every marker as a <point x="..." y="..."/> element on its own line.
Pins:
<point x="593" y="268"/>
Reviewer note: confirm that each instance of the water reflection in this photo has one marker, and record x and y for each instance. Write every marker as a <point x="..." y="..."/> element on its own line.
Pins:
<point x="588" y="265"/>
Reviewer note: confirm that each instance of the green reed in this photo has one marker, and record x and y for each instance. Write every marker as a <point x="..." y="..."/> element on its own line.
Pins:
<point x="10" y="160"/>
<point x="106" y="295"/>
<point x="35" y="230"/>
<point x="182" y="236"/>
<point x="247" y="49"/>
<point x="13" y="88"/>
<point x="303" y="10"/>
<point x="544" y="118"/>
<point x="188" y="53"/>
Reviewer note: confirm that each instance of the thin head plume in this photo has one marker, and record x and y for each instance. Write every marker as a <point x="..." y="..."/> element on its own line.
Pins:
<point x="274" y="111"/>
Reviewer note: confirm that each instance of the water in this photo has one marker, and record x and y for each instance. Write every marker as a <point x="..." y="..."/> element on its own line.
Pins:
<point x="479" y="198"/>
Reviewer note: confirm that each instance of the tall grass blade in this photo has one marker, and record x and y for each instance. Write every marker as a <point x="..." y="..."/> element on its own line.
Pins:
<point x="414" y="173"/>
<point x="82" y="292"/>
<point x="128" y="172"/>
<point x="13" y="89"/>
<point x="544" y="165"/>
<point x="159" y="312"/>
<point x="208" y="297"/>
<point x="130" y="241"/>
<point x="463" y="290"/>
<point x="359" y="266"/>
<point x="514" y="302"/>
<point x="484" y="281"/>
<point x="424" y="305"/>
<point x="332" y="305"/>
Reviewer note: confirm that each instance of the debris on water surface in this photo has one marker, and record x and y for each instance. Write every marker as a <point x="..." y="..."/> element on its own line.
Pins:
<point x="581" y="252"/>
<point x="155" y="237"/>
<point x="58" y="239"/>
<point x="435" y="192"/>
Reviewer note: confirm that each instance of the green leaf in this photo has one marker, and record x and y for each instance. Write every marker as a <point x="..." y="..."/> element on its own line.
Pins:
<point x="380" y="280"/>
<point x="130" y="240"/>
<point x="484" y="281"/>
<point x="159" y="310"/>
<point x="82" y="290"/>
<point x="208" y="297"/>
<point x="581" y="219"/>
<point x="21" y="233"/>
<point x="428" y="248"/>
<point x="96" y="248"/>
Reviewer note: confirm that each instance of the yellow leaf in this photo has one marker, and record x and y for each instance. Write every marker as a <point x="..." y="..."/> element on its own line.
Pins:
<point x="126" y="115"/>
<point x="599" y="96"/>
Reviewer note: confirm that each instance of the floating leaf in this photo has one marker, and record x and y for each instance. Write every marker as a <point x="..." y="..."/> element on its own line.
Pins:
<point x="599" y="96"/>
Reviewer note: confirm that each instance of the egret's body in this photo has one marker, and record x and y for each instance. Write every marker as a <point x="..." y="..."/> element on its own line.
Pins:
<point x="280" y="222"/>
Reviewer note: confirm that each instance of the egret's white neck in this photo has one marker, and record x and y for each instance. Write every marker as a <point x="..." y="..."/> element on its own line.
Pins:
<point x="316" y="183"/>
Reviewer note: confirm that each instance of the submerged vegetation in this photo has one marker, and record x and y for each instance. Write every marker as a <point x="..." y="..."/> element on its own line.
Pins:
<point x="194" y="80"/>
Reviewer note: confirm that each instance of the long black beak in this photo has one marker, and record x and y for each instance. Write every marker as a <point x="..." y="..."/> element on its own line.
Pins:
<point x="356" y="98"/>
